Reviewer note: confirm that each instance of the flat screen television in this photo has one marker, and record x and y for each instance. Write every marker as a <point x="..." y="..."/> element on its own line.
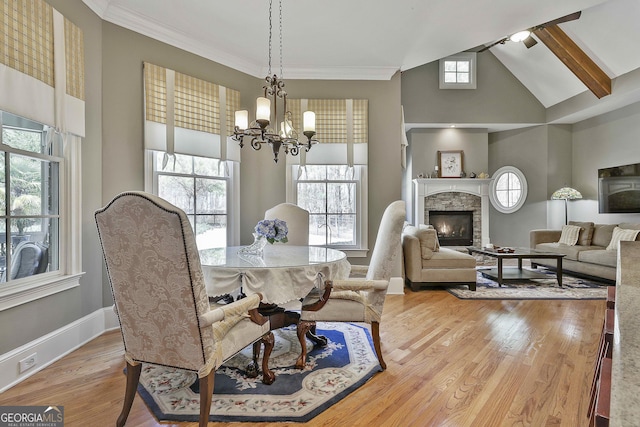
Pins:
<point x="619" y="189"/>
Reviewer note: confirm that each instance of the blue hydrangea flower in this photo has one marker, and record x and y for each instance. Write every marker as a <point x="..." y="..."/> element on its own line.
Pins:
<point x="274" y="230"/>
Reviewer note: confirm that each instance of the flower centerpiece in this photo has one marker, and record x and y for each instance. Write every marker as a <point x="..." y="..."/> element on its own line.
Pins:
<point x="274" y="230"/>
<point x="266" y="231"/>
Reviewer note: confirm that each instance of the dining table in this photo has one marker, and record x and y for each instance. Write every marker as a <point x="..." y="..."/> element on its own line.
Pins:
<point x="281" y="274"/>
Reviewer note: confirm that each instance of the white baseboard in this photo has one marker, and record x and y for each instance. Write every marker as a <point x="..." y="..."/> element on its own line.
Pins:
<point x="54" y="346"/>
<point x="396" y="286"/>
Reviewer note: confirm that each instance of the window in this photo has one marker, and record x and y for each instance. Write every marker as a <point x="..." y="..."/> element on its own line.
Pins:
<point x="508" y="189"/>
<point x="335" y="197"/>
<point x="458" y="71"/>
<point x="199" y="187"/>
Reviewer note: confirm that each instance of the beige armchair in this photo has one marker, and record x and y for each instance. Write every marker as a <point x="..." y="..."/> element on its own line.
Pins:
<point x="158" y="288"/>
<point x="297" y="220"/>
<point x="361" y="300"/>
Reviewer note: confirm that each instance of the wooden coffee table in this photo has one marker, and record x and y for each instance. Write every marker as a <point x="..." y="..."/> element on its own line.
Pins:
<point x="502" y="275"/>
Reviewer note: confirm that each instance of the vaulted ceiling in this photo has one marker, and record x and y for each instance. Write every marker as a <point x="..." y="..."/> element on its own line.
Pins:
<point x="364" y="40"/>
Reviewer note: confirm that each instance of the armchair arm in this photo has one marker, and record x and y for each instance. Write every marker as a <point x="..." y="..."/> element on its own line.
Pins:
<point x="360" y="285"/>
<point x="359" y="270"/>
<point x="233" y="312"/>
<point x="543" y="236"/>
<point x="412" y="257"/>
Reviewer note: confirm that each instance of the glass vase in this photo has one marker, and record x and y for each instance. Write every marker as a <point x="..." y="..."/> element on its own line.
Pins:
<point x="259" y="242"/>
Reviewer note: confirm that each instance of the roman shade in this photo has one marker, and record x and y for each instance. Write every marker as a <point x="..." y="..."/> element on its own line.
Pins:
<point x="187" y="115"/>
<point x="42" y="65"/>
<point x="342" y="127"/>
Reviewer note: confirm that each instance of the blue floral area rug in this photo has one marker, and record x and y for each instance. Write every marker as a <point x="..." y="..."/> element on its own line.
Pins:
<point x="332" y="372"/>
<point x="545" y="288"/>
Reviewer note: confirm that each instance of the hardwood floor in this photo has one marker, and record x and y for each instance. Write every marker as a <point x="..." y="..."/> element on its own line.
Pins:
<point x="450" y="362"/>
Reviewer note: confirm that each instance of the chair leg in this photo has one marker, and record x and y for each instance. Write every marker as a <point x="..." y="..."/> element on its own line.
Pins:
<point x="133" y="377"/>
<point x="206" y="394"/>
<point x="375" y="332"/>
<point x="268" y="377"/>
<point x="304" y="326"/>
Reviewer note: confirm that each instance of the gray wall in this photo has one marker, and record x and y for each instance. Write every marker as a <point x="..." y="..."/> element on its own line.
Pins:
<point x="608" y="140"/>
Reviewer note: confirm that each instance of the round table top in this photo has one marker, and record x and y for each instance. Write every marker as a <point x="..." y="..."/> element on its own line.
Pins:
<point x="274" y="256"/>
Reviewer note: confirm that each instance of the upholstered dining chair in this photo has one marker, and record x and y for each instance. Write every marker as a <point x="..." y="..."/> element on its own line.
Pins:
<point x="160" y="298"/>
<point x="361" y="299"/>
<point x="297" y="220"/>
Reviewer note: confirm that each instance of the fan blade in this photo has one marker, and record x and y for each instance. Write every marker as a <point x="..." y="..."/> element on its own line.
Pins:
<point x="501" y="41"/>
<point x="529" y="42"/>
<point x="567" y="18"/>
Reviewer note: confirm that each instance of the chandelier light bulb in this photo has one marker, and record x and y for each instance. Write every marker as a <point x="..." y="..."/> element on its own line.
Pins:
<point x="309" y="121"/>
<point x="263" y="109"/>
<point x="242" y="119"/>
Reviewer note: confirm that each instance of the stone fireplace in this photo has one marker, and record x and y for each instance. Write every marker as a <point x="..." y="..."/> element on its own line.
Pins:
<point x="454" y="195"/>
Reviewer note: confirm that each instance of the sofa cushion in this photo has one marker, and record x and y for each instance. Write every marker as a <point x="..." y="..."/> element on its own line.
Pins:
<point x="430" y="227"/>
<point x="570" y="234"/>
<point x="570" y="252"/>
<point x="600" y="257"/>
<point x="620" y="234"/>
<point x="602" y="234"/>
<point x="586" y="234"/>
<point x="449" y="258"/>
<point x="631" y="226"/>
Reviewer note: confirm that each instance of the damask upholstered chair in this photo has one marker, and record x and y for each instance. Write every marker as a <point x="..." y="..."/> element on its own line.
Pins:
<point x="160" y="298"/>
<point x="297" y="220"/>
<point x="362" y="299"/>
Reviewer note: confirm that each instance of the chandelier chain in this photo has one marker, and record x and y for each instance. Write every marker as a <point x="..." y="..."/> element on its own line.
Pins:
<point x="270" y="31"/>
<point x="281" y="73"/>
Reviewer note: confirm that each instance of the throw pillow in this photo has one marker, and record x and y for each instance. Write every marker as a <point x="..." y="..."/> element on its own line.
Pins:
<point x="430" y="227"/>
<point x="586" y="234"/>
<point x="621" y="234"/>
<point x="570" y="234"/>
<point x="428" y="241"/>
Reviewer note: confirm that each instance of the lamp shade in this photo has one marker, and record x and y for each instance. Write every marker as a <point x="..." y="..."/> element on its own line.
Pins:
<point x="566" y="193"/>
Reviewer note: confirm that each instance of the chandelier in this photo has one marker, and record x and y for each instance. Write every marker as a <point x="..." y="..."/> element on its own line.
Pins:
<point x="260" y="132"/>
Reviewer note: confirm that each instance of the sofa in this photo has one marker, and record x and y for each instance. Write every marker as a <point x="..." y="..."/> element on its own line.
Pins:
<point x="593" y="255"/>
<point x="428" y="264"/>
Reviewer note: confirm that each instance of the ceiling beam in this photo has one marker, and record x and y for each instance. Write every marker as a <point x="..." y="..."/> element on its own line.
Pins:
<point x="575" y="59"/>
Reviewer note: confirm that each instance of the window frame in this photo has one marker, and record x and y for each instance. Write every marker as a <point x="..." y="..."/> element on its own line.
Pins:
<point x="493" y="197"/>
<point x="67" y="276"/>
<point x="470" y="57"/>
<point x="360" y="249"/>
<point x="233" y="191"/>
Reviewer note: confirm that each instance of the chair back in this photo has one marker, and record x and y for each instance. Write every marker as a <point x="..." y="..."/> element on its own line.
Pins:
<point x="297" y="220"/>
<point x="156" y="279"/>
<point x="387" y="247"/>
<point x="25" y="260"/>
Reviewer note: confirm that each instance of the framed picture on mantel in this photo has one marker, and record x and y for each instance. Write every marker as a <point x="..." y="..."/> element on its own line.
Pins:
<point x="450" y="163"/>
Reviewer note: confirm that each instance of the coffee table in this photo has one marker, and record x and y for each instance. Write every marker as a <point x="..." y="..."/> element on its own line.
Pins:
<point x="502" y="275"/>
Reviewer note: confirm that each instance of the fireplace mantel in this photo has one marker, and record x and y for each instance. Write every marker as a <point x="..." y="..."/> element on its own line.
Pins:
<point x="424" y="187"/>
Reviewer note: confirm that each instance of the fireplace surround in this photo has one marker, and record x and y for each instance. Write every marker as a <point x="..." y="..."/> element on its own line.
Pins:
<point x="454" y="194"/>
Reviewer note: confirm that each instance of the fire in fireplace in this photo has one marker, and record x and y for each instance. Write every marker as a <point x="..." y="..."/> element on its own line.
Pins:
<point x="454" y="228"/>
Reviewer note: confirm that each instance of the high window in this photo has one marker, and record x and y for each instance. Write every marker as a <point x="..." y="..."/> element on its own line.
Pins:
<point x="458" y="71"/>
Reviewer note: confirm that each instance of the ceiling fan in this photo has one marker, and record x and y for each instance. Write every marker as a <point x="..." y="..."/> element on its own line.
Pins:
<point x="525" y="35"/>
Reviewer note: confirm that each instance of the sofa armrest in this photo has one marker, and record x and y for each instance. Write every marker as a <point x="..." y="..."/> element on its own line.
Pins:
<point x="543" y="236"/>
<point x="412" y="257"/>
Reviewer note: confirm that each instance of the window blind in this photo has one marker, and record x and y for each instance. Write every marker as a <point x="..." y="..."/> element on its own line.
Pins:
<point x="202" y="114"/>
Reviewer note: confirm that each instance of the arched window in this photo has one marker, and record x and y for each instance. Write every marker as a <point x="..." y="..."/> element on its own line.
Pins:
<point x="508" y="189"/>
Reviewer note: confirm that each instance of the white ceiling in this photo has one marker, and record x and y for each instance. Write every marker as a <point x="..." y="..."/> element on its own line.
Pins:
<point x="365" y="40"/>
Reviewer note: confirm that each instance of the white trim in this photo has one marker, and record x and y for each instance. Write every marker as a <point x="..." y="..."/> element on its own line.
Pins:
<point x="54" y="346"/>
<point x="32" y="288"/>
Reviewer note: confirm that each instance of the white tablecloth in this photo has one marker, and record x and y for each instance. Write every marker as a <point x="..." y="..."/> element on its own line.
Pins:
<point x="284" y="273"/>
